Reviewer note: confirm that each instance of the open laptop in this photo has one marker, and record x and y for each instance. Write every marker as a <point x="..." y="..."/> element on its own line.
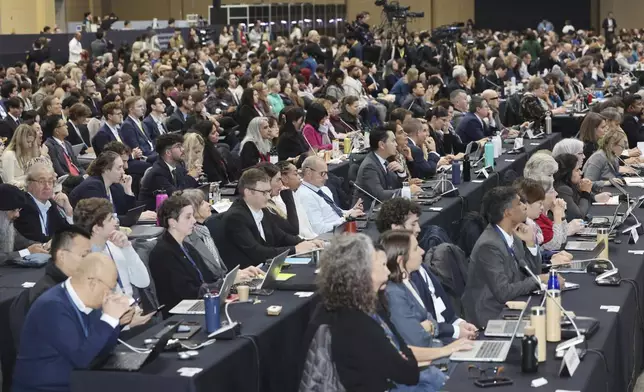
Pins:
<point x="131" y="361"/>
<point x="592" y="231"/>
<point x="580" y="266"/>
<point x="196" y="306"/>
<point x="363" y="224"/>
<point x="132" y="216"/>
<point x="490" y="350"/>
<point x="504" y="328"/>
<point x="264" y="285"/>
<point x="77" y="148"/>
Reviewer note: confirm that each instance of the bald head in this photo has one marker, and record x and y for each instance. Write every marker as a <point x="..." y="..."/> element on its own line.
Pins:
<point x="97" y="265"/>
<point x="315" y="171"/>
<point x="492" y="98"/>
<point x="94" y="279"/>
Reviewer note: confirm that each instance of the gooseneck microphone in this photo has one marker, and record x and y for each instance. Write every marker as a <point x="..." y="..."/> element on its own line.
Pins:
<point x="352" y="183"/>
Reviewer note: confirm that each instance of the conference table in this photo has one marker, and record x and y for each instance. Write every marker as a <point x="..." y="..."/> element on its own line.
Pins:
<point x="269" y="353"/>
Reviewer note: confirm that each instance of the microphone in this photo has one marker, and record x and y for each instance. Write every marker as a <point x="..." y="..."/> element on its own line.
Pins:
<point x="365" y="192"/>
<point x="570" y="342"/>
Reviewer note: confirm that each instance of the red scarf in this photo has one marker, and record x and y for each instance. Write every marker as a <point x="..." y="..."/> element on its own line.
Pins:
<point x="546" y="227"/>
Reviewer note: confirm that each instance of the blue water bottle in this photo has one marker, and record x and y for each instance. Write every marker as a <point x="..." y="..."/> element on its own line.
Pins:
<point x="489" y="155"/>
<point x="456" y="172"/>
<point x="211" y="303"/>
<point x="553" y="282"/>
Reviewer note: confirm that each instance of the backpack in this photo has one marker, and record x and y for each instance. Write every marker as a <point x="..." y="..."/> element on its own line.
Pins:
<point x="320" y="374"/>
<point x="449" y="263"/>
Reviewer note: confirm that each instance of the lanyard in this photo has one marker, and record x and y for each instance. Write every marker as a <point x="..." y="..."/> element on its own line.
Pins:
<point x="118" y="276"/>
<point x="185" y="252"/>
<point x="43" y="221"/>
<point x="507" y="246"/>
<point x="78" y="313"/>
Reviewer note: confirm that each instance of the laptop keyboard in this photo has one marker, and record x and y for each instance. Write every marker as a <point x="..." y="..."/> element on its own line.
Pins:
<point x="491" y="349"/>
<point x="253" y="284"/>
<point x="126" y="361"/>
<point x="198" y="307"/>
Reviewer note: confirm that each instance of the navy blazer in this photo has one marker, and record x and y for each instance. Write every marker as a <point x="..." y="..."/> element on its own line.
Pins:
<point x="102" y="137"/>
<point x="158" y="177"/>
<point x="151" y="128"/>
<point x="73" y="137"/>
<point x="445" y="329"/>
<point x="422" y="168"/>
<point x="133" y="137"/>
<point x="471" y="129"/>
<point x="407" y="314"/>
<point x="93" y="186"/>
<point x="28" y="223"/>
<point x="57" y="156"/>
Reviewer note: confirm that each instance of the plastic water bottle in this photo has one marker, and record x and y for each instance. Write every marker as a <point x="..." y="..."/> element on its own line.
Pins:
<point x="456" y="172"/>
<point x="498" y="145"/>
<point x="213" y="320"/>
<point x="405" y="191"/>
<point x="489" y="155"/>
<point x="215" y="194"/>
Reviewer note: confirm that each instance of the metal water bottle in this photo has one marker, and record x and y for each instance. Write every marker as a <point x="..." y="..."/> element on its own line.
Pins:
<point x="211" y="304"/>
<point x="553" y="282"/>
<point x="529" y="344"/>
<point x="215" y="194"/>
<point x="548" y="124"/>
<point x="456" y="172"/>
<point x="467" y="169"/>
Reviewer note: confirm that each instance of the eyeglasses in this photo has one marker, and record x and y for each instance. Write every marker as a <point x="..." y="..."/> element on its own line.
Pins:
<point x="322" y="173"/>
<point x="263" y="192"/>
<point x="44" y="182"/>
<point x="104" y="284"/>
<point x="494" y="98"/>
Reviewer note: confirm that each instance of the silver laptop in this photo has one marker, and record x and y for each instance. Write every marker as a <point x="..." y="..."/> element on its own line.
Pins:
<point x="267" y="282"/>
<point x="504" y="328"/>
<point x="490" y="350"/>
<point x="585" y="246"/>
<point x="196" y="306"/>
<point x="592" y="231"/>
<point x="77" y="148"/>
<point x="580" y="266"/>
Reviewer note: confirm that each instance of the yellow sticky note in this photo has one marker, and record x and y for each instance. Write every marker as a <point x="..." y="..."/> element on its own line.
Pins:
<point x="284" y="277"/>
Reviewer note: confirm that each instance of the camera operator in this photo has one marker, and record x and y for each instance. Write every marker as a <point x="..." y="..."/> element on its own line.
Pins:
<point x="361" y="29"/>
<point x="427" y="53"/>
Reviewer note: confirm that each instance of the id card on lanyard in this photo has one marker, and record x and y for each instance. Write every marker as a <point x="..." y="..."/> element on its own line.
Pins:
<point x="507" y="246"/>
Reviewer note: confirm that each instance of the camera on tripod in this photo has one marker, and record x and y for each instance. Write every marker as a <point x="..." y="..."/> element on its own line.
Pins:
<point x="396" y="11"/>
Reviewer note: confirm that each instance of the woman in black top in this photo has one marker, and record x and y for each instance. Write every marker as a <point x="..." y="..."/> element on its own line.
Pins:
<point x="217" y="166"/>
<point x="256" y="145"/>
<point x="247" y="110"/>
<point x="279" y="211"/>
<point x="592" y="129"/>
<point x="291" y="144"/>
<point x="367" y="351"/>
<point x="479" y="73"/>
<point x="349" y="119"/>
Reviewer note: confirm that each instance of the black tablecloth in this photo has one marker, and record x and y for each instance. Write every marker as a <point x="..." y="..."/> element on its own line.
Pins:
<point x="619" y="336"/>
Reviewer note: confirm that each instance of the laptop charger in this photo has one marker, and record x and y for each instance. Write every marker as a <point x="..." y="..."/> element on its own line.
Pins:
<point x="227" y="332"/>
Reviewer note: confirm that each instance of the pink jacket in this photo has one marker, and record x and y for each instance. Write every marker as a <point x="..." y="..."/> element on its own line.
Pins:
<point x="315" y="138"/>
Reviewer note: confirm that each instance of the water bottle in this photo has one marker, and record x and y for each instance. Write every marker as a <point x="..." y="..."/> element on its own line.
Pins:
<point x="467" y="169"/>
<point x="498" y="145"/>
<point x="215" y="194"/>
<point x="548" y="124"/>
<point x="456" y="172"/>
<point x="529" y="350"/>
<point x="553" y="282"/>
<point x="347" y="145"/>
<point x="489" y="155"/>
<point x="159" y="197"/>
<point x="405" y="192"/>
<point x="211" y="304"/>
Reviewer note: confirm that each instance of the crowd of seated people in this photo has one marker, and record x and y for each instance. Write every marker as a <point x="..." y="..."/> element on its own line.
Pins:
<point x="89" y="141"/>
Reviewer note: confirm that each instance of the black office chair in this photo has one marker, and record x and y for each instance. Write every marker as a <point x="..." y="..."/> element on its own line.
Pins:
<point x="8" y="350"/>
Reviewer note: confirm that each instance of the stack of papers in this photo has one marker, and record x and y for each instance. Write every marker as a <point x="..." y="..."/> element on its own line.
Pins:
<point x="634" y="181"/>
<point x="613" y="201"/>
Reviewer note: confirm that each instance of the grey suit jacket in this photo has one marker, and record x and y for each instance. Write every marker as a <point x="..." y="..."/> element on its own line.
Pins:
<point x="20" y="243"/>
<point x="373" y="178"/>
<point x="407" y="313"/>
<point x="218" y="269"/>
<point x="598" y="167"/>
<point x="494" y="276"/>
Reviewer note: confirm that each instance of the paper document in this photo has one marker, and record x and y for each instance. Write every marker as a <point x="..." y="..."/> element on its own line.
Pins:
<point x="613" y="201"/>
<point x="284" y="277"/>
<point x="298" y="260"/>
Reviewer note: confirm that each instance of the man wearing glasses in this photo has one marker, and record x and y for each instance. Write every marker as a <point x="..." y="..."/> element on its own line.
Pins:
<point x="44" y="212"/>
<point x="167" y="174"/>
<point x="13" y="245"/>
<point x="317" y="199"/>
<point x="249" y="238"/>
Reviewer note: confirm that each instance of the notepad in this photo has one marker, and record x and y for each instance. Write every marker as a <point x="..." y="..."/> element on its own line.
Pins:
<point x="298" y="260"/>
<point x="284" y="277"/>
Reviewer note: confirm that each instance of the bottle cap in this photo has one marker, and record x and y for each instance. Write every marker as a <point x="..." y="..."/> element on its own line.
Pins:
<point x="528" y="330"/>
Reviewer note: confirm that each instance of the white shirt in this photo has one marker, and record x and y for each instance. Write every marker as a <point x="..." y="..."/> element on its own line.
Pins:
<point x="114" y="130"/>
<point x="509" y="239"/>
<point x="84" y="309"/>
<point x="326" y="219"/>
<point x="75" y="49"/>
<point x="131" y="269"/>
<point x="258" y="216"/>
<point x="430" y="152"/>
<point x="43" y="209"/>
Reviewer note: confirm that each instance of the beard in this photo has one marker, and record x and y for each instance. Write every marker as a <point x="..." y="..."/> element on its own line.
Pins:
<point x="7" y="233"/>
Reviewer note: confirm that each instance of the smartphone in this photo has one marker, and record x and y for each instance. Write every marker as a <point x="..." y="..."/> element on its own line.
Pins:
<point x="156" y="310"/>
<point x="493" y="382"/>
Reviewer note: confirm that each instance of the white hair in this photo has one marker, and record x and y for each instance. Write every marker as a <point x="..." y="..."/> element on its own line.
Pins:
<point x="459" y="70"/>
<point x="541" y="167"/>
<point x="568" y="146"/>
<point x="253" y="135"/>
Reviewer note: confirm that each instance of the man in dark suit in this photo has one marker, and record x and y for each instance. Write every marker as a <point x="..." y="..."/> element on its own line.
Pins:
<point x="379" y="173"/>
<point x="132" y="133"/>
<point x="506" y="247"/>
<point x="92" y="97"/>
<point x="43" y="214"/>
<point x="167" y="88"/>
<point x="154" y="123"/>
<point x="109" y="132"/>
<point x="417" y="137"/>
<point x="496" y="78"/>
<point x="62" y="155"/>
<point x="610" y="26"/>
<point x="76" y="129"/>
<point x="167" y="173"/>
<point x="221" y="98"/>
<point x="632" y="121"/>
<point x="402" y="214"/>
<point x="251" y="239"/>
<point x="415" y="102"/>
<point x="473" y="127"/>
<point x="355" y="47"/>
<point x="178" y="121"/>
<point x="11" y="122"/>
